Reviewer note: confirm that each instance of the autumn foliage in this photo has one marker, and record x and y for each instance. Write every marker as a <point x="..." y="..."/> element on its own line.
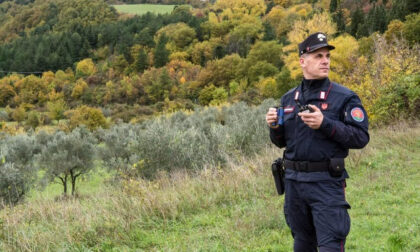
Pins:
<point x="93" y="68"/>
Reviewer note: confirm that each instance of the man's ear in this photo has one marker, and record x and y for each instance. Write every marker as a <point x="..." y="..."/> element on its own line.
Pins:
<point x="302" y="61"/>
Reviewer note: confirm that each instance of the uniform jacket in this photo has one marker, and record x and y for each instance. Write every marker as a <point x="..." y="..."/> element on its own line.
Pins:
<point x="344" y="127"/>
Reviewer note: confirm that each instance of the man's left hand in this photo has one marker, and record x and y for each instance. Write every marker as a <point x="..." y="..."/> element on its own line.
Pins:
<point x="314" y="119"/>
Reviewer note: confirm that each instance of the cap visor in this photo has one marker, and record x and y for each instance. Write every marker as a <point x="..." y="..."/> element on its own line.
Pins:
<point x="330" y="47"/>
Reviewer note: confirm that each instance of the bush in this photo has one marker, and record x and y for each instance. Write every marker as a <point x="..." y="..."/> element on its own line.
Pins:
<point x="399" y="100"/>
<point x="33" y="120"/>
<point x="19" y="114"/>
<point x="17" y="170"/>
<point x="4" y="116"/>
<point x="90" y="117"/>
<point x="208" y="137"/>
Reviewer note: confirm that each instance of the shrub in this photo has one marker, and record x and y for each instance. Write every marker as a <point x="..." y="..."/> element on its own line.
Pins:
<point x="19" y="114"/>
<point x="207" y="137"/>
<point x="4" y="116"/>
<point x="33" y="120"/>
<point x="17" y="170"/>
<point x="90" y="117"/>
<point x="401" y="99"/>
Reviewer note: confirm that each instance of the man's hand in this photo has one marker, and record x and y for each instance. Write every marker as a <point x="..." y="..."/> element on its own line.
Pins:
<point x="314" y="119"/>
<point x="271" y="117"/>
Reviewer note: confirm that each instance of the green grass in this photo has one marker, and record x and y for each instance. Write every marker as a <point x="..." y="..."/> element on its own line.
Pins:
<point x="140" y="9"/>
<point x="229" y="209"/>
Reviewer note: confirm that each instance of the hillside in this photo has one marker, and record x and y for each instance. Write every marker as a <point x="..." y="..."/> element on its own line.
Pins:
<point x="60" y="60"/>
<point x="232" y="209"/>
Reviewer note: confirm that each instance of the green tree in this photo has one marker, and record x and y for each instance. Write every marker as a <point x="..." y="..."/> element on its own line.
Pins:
<point x="222" y="71"/>
<point x="145" y="38"/>
<point x="269" y="51"/>
<point x="75" y="14"/>
<point x="339" y="20"/>
<point x="357" y="20"/>
<point x="411" y="30"/>
<point x="180" y="33"/>
<point x="68" y="156"/>
<point x="269" y="32"/>
<point x="159" y="89"/>
<point x="142" y="62"/>
<point x="261" y="69"/>
<point x="333" y="6"/>
<point x="161" y="54"/>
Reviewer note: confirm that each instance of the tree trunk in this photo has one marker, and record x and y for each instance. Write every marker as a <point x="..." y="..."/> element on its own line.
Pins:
<point x="64" y="182"/>
<point x="73" y="181"/>
<point x="73" y="186"/>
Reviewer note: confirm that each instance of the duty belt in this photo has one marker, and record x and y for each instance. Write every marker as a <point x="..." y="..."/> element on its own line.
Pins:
<point x="306" y="166"/>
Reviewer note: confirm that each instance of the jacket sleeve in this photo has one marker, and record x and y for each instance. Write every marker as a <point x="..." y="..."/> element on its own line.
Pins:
<point x="277" y="136"/>
<point x="352" y="131"/>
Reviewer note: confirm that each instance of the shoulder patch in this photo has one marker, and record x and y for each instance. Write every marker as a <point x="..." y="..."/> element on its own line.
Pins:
<point x="357" y="114"/>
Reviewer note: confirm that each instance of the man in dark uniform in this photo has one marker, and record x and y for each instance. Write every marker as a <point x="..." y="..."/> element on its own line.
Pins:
<point x="317" y="138"/>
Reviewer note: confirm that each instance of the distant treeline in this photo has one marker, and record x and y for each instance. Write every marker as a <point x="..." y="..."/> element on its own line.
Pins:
<point x="52" y="46"/>
<point x="194" y="3"/>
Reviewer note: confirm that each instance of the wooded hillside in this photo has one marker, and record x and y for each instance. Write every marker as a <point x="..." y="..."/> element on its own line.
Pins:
<point x="62" y="59"/>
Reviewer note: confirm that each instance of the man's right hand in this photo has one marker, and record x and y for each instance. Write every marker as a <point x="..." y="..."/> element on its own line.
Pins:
<point x="271" y="117"/>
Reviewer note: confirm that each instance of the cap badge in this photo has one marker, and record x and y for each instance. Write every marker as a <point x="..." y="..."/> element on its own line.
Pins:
<point x="321" y="37"/>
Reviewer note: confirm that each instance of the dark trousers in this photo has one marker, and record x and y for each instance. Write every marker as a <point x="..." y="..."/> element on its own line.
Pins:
<point x="316" y="213"/>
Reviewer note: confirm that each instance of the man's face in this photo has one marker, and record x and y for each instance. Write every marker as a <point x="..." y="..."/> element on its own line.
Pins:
<point x="316" y="65"/>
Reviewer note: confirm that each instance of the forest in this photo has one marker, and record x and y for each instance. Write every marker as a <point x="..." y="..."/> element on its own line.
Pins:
<point x="61" y="59"/>
<point x="141" y="102"/>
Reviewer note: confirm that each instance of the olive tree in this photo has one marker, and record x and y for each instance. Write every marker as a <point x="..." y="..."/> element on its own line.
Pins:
<point x="119" y="148"/>
<point x="17" y="169"/>
<point x="67" y="156"/>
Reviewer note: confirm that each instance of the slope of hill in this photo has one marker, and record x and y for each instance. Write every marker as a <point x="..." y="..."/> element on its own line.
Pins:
<point x="232" y="209"/>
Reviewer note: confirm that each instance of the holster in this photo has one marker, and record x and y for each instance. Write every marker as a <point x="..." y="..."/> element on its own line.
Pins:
<point x="278" y="173"/>
<point x="336" y="167"/>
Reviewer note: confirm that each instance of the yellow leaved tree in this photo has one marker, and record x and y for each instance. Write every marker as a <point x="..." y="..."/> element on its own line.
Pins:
<point x="85" y="68"/>
<point x="379" y="77"/>
<point x="343" y="58"/>
<point x="237" y="9"/>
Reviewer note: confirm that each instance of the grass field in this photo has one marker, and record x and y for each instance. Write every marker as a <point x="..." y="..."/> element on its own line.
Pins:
<point x="230" y="209"/>
<point x="140" y="9"/>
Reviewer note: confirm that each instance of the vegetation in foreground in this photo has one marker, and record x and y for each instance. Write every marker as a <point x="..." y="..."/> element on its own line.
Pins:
<point x="233" y="208"/>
